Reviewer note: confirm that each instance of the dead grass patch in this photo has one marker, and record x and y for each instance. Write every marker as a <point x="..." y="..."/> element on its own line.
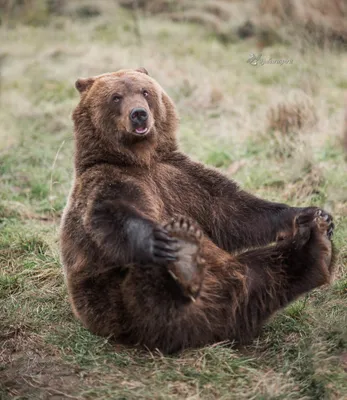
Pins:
<point x="303" y="188"/>
<point x="296" y="113"/>
<point x="321" y="21"/>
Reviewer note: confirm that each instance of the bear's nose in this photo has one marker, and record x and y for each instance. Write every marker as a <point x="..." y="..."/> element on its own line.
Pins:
<point x="138" y="115"/>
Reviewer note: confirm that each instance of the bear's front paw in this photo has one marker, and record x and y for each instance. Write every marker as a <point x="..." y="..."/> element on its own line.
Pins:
<point x="188" y="270"/>
<point x="163" y="247"/>
<point x="151" y="243"/>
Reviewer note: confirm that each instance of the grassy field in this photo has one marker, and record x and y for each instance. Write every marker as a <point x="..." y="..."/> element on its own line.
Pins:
<point x="224" y="105"/>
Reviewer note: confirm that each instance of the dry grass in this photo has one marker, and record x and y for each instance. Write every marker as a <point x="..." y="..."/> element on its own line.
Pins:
<point x="223" y="103"/>
<point x="295" y="114"/>
<point x="344" y="132"/>
<point x="270" y="21"/>
<point x="324" y="20"/>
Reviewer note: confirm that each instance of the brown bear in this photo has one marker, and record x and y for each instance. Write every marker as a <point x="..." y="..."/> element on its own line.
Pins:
<point x="162" y="251"/>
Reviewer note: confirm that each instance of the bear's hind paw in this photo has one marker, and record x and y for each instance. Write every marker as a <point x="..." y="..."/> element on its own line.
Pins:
<point x="188" y="270"/>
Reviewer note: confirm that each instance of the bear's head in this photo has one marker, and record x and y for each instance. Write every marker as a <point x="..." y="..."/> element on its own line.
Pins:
<point x="125" y="118"/>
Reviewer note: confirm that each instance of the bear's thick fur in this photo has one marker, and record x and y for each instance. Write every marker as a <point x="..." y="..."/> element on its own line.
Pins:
<point x="162" y="251"/>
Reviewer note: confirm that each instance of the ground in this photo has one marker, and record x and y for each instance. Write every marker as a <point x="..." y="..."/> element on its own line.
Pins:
<point x="223" y="103"/>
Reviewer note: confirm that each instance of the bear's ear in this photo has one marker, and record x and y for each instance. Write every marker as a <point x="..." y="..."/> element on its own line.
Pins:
<point x="143" y="70"/>
<point x="83" y="84"/>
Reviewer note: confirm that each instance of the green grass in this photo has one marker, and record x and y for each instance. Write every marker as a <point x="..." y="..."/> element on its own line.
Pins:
<point x="222" y="101"/>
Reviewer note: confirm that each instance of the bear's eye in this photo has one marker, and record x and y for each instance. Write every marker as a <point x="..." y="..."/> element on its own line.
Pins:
<point x="116" y="98"/>
<point x="145" y="93"/>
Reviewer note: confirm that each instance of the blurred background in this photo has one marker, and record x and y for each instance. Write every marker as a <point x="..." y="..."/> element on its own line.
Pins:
<point x="260" y="86"/>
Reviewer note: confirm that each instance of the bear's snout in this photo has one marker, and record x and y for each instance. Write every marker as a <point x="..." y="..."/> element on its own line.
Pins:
<point x="138" y="116"/>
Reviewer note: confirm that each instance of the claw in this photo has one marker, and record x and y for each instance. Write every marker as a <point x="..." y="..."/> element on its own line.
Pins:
<point x="173" y="275"/>
<point x="171" y="248"/>
<point x="162" y="255"/>
<point x="164" y="236"/>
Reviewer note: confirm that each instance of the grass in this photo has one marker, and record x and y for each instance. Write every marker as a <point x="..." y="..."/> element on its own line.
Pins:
<point x="223" y="103"/>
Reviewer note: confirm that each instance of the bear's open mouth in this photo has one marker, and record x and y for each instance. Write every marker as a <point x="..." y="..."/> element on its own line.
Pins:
<point x="141" y="130"/>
